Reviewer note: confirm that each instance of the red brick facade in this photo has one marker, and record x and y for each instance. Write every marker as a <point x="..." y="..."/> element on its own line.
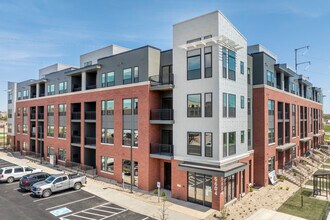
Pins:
<point x="263" y="150"/>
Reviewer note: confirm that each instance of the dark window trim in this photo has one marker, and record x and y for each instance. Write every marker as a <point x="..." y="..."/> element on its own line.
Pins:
<point x="200" y="63"/>
<point x="211" y="105"/>
<point x="200" y="94"/>
<point x="211" y="144"/>
<point x="205" y="62"/>
<point x="200" y="145"/>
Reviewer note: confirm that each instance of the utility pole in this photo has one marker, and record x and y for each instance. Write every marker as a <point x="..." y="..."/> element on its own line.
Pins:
<point x="296" y="57"/>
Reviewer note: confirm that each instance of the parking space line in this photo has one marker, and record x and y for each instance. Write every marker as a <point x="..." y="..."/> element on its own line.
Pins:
<point x="94" y="214"/>
<point x="114" y="214"/>
<point x="51" y="197"/>
<point x="79" y="216"/>
<point x="25" y="194"/>
<point x="69" y="203"/>
<point x="65" y="217"/>
<point x="102" y="210"/>
<point x="103" y="206"/>
<point x="145" y="218"/>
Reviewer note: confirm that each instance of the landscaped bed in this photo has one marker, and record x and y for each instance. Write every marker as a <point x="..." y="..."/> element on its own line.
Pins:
<point x="313" y="209"/>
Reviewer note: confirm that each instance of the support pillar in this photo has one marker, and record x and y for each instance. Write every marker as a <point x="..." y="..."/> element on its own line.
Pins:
<point x="37" y="90"/>
<point x="83" y="81"/>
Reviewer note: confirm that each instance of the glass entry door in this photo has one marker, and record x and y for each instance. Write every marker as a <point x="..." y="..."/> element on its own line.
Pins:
<point x="200" y="189"/>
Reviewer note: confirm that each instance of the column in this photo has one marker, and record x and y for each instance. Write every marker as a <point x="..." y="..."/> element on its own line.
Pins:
<point x="282" y="81"/>
<point x="38" y="90"/>
<point x="83" y="81"/>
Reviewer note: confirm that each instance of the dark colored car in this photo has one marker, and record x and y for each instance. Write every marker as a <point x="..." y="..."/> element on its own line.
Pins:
<point x="27" y="181"/>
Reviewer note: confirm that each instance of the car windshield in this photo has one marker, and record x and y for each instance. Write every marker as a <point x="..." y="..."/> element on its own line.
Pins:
<point x="50" y="179"/>
<point x="1" y="171"/>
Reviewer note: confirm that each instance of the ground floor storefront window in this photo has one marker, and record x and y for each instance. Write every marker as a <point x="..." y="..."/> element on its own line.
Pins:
<point x="200" y="189"/>
<point x="230" y="188"/>
<point x="126" y="168"/>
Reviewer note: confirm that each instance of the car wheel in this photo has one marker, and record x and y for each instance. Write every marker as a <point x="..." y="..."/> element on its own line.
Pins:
<point x="10" y="179"/>
<point x="77" y="186"/>
<point x="46" y="193"/>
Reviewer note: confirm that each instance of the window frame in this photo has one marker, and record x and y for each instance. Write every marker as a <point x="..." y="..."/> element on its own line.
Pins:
<point x="205" y="144"/>
<point x="211" y="106"/>
<point x="193" y="146"/>
<point x="210" y="67"/>
<point x="200" y="63"/>
<point x="200" y="108"/>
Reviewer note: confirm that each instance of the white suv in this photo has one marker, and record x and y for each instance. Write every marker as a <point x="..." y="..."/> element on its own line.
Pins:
<point x="10" y="174"/>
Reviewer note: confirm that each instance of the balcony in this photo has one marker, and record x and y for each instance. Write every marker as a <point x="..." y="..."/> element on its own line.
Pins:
<point x="161" y="151"/>
<point x="90" y="141"/>
<point x="161" y="116"/>
<point x="162" y="82"/>
<point x="75" y="139"/>
<point x="90" y="115"/>
<point x="75" y="115"/>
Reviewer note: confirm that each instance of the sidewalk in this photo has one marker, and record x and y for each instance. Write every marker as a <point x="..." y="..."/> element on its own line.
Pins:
<point x="139" y="202"/>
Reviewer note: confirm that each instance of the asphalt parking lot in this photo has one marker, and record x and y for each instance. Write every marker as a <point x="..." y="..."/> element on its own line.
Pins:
<point x="66" y="205"/>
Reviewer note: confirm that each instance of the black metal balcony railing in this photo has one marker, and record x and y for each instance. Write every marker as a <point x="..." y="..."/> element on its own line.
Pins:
<point x="161" y="149"/>
<point x="90" y="87"/>
<point x="75" y="115"/>
<point x="287" y="139"/>
<point x="75" y="139"/>
<point x="165" y="79"/>
<point x="90" y="115"/>
<point x="33" y="116"/>
<point x="90" y="141"/>
<point x="280" y="141"/>
<point x="161" y="114"/>
<point x="41" y="116"/>
<point x="280" y="115"/>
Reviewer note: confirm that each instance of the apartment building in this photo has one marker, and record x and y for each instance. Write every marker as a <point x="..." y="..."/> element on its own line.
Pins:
<point x="288" y="115"/>
<point x="188" y="113"/>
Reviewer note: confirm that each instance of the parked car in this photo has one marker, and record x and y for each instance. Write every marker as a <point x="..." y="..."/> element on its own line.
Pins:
<point x="10" y="174"/>
<point x="27" y="181"/>
<point x="58" y="182"/>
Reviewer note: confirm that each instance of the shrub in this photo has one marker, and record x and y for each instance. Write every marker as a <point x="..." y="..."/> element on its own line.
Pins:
<point x="163" y="194"/>
<point x="287" y="188"/>
<point x="282" y="178"/>
<point x="155" y="191"/>
<point x="251" y="189"/>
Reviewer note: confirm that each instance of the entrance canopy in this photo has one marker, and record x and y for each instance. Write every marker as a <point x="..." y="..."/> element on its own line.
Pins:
<point x="213" y="170"/>
<point x="285" y="147"/>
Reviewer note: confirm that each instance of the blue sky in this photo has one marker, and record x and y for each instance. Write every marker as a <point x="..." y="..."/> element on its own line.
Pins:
<point x="34" y="34"/>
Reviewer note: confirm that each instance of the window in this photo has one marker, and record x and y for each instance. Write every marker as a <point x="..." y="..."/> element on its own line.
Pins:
<point x="18" y="112"/>
<point x="194" y="105"/>
<point x="107" y="135"/>
<point x="249" y="75"/>
<point x="242" y="67"/>
<point x="10" y="97"/>
<point x="194" y="40"/>
<point x="127" y="106"/>
<point x="135" y="106"/>
<point x="136" y="74"/>
<point x="271" y="164"/>
<point x="208" y="105"/>
<point x="51" y="89"/>
<point x="242" y="137"/>
<point x="103" y="80"/>
<point x="50" y="110"/>
<point x="136" y="138"/>
<point x="208" y="144"/>
<point x="50" y="130"/>
<point x="61" y="154"/>
<point x="107" y="164"/>
<point x="249" y="138"/>
<point x="25" y="94"/>
<point x="194" y="64"/>
<point x="24" y="146"/>
<point x="25" y="129"/>
<point x="231" y="65"/>
<point x="242" y="102"/>
<point x="108" y="107"/>
<point x="232" y="143"/>
<point x="18" y="128"/>
<point x="293" y="152"/>
<point x="271" y="121"/>
<point x="61" y="109"/>
<point x="232" y="106"/>
<point x="270" y="78"/>
<point x="9" y="128"/>
<point x="10" y="113"/>
<point x="18" y="170"/>
<point x="208" y="62"/>
<point x="249" y="106"/>
<point x="88" y="63"/>
<point x="127" y="137"/>
<point x="63" y="87"/>
<point x="19" y="95"/>
<point x="111" y="79"/>
<point x="127" y="76"/>
<point x="50" y="151"/>
<point x="194" y="143"/>
<point x="24" y="111"/>
<point x="225" y="106"/>
<point x="62" y="132"/>
<point x="225" y="145"/>
<point x="294" y="131"/>
<point x="224" y="62"/>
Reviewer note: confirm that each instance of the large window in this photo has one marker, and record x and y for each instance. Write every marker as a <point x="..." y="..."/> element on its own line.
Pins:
<point x="229" y="144"/>
<point x="135" y="106"/>
<point x="136" y="138"/>
<point x="61" y="154"/>
<point x="242" y="102"/>
<point x="194" y="105"/>
<point x="194" y="140"/>
<point x="10" y="128"/>
<point x="63" y="87"/>
<point x="225" y="105"/>
<point x="108" y="107"/>
<point x="108" y="79"/>
<point x="242" y="67"/>
<point x="107" y="135"/>
<point x="208" y="105"/>
<point x="50" y="130"/>
<point x="136" y="74"/>
<point x="51" y="89"/>
<point x="208" y="62"/>
<point x="194" y="64"/>
<point x="249" y="75"/>
<point x="230" y="188"/>
<point x="127" y="76"/>
<point x="61" y="110"/>
<point x="50" y="110"/>
<point x="232" y="106"/>
<point x="294" y="131"/>
<point x="271" y="121"/>
<point x="249" y="138"/>
<point x="249" y="106"/>
<point x="127" y="106"/>
<point x="270" y="78"/>
<point x="25" y="129"/>
<point x="50" y="151"/>
<point x="242" y="137"/>
<point x="108" y="164"/>
<point x="208" y="144"/>
<point x="62" y="131"/>
<point x="224" y="62"/>
<point x="271" y="164"/>
<point x="127" y="137"/>
<point x="231" y="65"/>
<point x="25" y="111"/>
